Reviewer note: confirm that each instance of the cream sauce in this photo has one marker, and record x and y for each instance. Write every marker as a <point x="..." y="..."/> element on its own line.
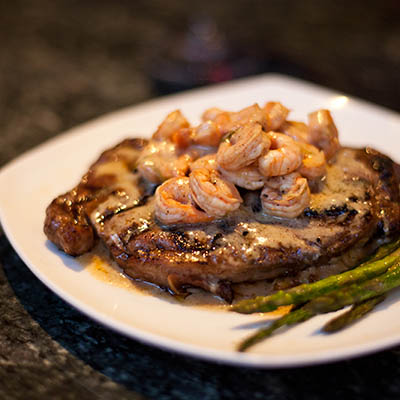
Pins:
<point x="101" y="266"/>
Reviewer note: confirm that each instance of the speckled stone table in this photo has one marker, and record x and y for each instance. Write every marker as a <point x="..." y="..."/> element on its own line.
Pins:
<point x="64" y="62"/>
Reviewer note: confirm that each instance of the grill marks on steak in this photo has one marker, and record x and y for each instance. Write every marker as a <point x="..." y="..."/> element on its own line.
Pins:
<point x="108" y="187"/>
<point x="357" y="205"/>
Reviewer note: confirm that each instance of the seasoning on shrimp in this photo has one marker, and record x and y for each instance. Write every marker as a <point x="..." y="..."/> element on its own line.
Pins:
<point x="313" y="165"/>
<point x="161" y="160"/>
<point x="237" y="149"/>
<point x="228" y="121"/>
<point x="213" y="194"/>
<point x="248" y="178"/>
<point x="173" y="122"/>
<point x="283" y="157"/>
<point x="275" y="115"/>
<point x="209" y="162"/>
<point x="285" y="196"/>
<point x="323" y="132"/>
<point x="249" y="114"/>
<point x="296" y="130"/>
<point x="243" y="148"/>
<point x="174" y="203"/>
<point x="211" y="114"/>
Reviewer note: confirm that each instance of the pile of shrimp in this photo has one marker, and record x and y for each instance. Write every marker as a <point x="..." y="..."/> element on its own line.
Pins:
<point x="198" y="169"/>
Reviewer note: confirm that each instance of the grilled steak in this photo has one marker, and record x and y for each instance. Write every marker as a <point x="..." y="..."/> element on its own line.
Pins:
<point x="109" y="179"/>
<point x="355" y="206"/>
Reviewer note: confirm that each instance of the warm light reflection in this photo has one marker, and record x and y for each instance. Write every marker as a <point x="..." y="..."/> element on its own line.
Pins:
<point x="338" y="102"/>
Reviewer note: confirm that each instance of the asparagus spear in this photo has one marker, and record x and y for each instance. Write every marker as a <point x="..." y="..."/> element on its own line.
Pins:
<point x="384" y="251"/>
<point x="355" y="313"/>
<point x="364" y="296"/>
<point x="302" y="293"/>
<point x="291" y="318"/>
<point x="357" y="292"/>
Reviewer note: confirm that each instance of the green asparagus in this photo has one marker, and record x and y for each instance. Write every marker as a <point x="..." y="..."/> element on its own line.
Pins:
<point x="355" y="313"/>
<point x="374" y="289"/>
<point x="291" y="318"/>
<point x="384" y="251"/>
<point x="353" y="294"/>
<point x="303" y="293"/>
<point x="357" y="292"/>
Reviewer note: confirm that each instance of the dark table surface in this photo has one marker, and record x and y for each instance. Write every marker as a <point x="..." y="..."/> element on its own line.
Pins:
<point x="65" y="62"/>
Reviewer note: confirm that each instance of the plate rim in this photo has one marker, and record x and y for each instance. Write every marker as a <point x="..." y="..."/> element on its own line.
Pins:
<point x="165" y="343"/>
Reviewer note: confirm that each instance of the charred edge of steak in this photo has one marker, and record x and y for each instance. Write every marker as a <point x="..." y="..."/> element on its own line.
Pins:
<point x="343" y="212"/>
<point x="67" y="227"/>
<point x="388" y="171"/>
<point x="386" y="188"/>
<point x="67" y="224"/>
<point x="110" y="154"/>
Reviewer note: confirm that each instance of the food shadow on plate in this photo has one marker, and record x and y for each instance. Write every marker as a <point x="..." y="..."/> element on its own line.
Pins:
<point x="69" y="261"/>
<point x="391" y="298"/>
<point x="254" y="325"/>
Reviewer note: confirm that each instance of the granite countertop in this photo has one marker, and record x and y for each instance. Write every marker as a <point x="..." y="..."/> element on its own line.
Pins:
<point x="63" y="63"/>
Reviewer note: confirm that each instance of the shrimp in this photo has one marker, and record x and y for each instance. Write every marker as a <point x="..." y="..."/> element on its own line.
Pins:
<point x="285" y="196"/>
<point x="205" y="134"/>
<point x="296" y="130"/>
<point x="182" y="138"/>
<point x="174" y="203"/>
<point x="323" y="132"/>
<point x="249" y="114"/>
<point x="228" y="121"/>
<point x="275" y="115"/>
<point x="211" y="114"/>
<point x="283" y="157"/>
<point x="212" y="193"/>
<point x="247" y="177"/>
<point x="160" y="161"/>
<point x="314" y="164"/>
<point x="208" y="162"/>
<point x="244" y="147"/>
<point x="172" y="123"/>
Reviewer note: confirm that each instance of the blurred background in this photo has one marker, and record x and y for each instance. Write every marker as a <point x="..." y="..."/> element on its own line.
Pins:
<point x="63" y="62"/>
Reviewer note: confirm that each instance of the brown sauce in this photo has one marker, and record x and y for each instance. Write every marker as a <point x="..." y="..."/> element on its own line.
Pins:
<point x="100" y="265"/>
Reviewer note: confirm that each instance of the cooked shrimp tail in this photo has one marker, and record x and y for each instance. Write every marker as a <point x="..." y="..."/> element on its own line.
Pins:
<point x="285" y="196"/>
<point x="208" y="162"/>
<point x="248" y="178"/>
<point x="173" y="122"/>
<point x="323" y="132"/>
<point x="213" y="194"/>
<point x="174" y="203"/>
<point x="314" y="163"/>
<point x="275" y="115"/>
<point x="283" y="157"/>
<point x="243" y="147"/>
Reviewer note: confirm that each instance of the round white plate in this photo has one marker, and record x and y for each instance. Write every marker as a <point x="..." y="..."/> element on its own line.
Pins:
<point x="30" y="182"/>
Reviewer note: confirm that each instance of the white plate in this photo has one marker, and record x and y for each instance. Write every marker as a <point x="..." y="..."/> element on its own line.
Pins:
<point x="30" y="182"/>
